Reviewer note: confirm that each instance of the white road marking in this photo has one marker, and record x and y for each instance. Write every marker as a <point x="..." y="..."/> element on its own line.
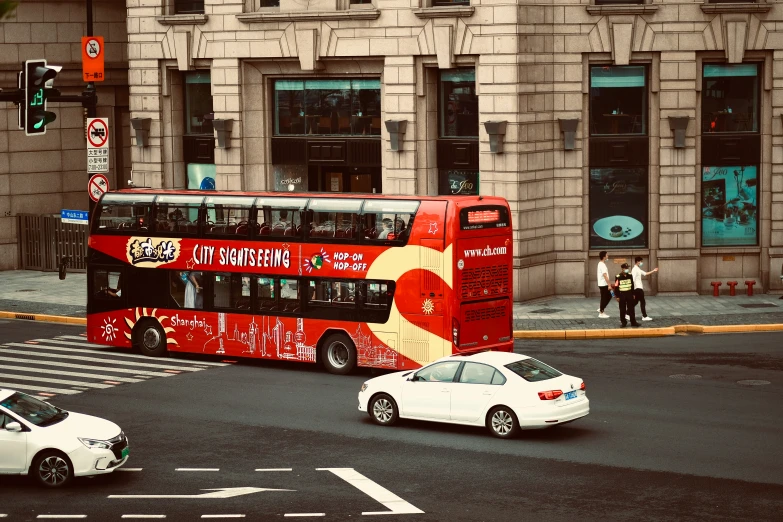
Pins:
<point x="54" y="381"/>
<point x="42" y="353"/>
<point x="61" y="516"/>
<point x="17" y="386"/>
<point x="143" y="516"/>
<point x="222" y="516"/>
<point x="305" y="515"/>
<point x="212" y="493"/>
<point x="82" y="366"/>
<point x="104" y="347"/>
<point x="129" y="469"/>
<point x="197" y="469"/>
<point x="3" y="515"/>
<point x="71" y="374"/>
<point x="372" y="489"/>
<point x="274" y="469"/>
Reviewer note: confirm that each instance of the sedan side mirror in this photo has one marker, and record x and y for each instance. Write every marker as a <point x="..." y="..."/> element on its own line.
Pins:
<point x="413" y="378"/>
<point x="13" y="427"/>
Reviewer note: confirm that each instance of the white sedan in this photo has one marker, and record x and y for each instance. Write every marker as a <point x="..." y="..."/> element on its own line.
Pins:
<point x="505" y="392"/>
<point x="54" y="445"/>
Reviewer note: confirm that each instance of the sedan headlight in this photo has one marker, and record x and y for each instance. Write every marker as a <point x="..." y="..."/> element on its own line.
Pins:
<point x="95" y="444"/>
<point x="365" y="386"/>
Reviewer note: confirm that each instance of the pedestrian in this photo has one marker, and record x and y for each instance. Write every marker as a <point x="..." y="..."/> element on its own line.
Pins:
<point x="603" y="284"/>
<point x="638" y="287"/>
<point x="624" y="284"/>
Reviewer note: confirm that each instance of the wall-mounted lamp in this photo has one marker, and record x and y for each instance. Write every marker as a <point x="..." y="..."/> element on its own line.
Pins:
<point x="679" y="124"/>
<point x="396" y="130"/>
<point x="223" y="128"/>
<point x="141" y="127"/>
<point x="568" y="128"/>
<point x="496" y="130"/>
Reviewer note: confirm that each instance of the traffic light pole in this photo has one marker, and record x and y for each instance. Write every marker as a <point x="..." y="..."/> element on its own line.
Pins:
<point x="90" y="95"/>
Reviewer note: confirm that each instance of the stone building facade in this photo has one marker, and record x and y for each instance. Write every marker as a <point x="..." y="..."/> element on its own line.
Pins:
<point x="44" y="174"/>
<point x="310" y="88"/>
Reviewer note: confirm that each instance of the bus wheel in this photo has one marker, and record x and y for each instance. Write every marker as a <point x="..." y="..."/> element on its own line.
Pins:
<point x="338" y="354"/>
<point x="151" y="339"/>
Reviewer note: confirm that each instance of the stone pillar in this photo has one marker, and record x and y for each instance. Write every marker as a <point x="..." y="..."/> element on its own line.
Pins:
<point x="227" y="105"/>
<point x="776" y="174"/>
<point x="398" y="93"/>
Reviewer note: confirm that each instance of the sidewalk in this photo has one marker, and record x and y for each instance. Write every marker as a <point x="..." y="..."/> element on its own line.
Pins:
<point x="29" y="292"/>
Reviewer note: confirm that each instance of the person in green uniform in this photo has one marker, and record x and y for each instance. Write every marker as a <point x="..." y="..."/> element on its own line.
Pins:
<point x="624" y="284"/>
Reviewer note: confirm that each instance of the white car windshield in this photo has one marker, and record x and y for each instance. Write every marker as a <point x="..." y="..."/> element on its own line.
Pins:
<point x="32" y="410"/>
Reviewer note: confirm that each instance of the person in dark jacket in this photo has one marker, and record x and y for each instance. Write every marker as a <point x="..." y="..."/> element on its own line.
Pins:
<point x="624" y="285"/>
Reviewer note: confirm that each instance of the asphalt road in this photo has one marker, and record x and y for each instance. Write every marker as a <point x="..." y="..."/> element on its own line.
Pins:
<point x="655" y="447"/>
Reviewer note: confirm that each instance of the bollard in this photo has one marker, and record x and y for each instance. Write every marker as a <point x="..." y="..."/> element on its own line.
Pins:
<point x="732" y="284"/>
<point x="716" y="288"/>
<point x="749" y="285"/>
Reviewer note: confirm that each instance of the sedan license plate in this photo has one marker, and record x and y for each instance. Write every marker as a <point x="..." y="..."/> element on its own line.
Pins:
<point x="570" y="395"/>
<point x="125" y="451"/>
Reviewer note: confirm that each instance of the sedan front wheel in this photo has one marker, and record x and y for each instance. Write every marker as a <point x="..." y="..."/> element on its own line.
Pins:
<point x="52" y="469"/>
<point x="383" y="410"/>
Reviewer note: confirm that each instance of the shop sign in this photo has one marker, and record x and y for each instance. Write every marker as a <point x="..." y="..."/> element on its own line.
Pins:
<point x="729" y="206"/>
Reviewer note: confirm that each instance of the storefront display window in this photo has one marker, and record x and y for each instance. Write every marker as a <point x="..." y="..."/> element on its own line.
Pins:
<point x="461" y="182"/>
<point x="618" y="207"/>
<point x="729" y="206"/>
<point x="459" y="115"/>
<point x="328" y="107"/>
<point x="730" y="98"/>
<point x="618" y="100"/>
<point x="198" y="103"/>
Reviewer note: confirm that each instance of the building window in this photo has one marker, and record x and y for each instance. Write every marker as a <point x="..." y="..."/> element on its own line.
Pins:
<point x="462" y="182"/>
<point x="618" y="207"/>
<point x="328" y="107"/>
<point x="729" y="206"/>
<point x="188" y="6"/>
<point x="448" y="3"/>
<point x="198" y="103"/>
<point x="619" y="2"/>
<point x="459" y="115"/>
<point x="730" y="98"/>
<point x="618" y="100"/>
<point x="268" y="3"/>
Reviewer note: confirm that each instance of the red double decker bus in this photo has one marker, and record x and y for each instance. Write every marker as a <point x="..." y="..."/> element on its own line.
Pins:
<point x="346" y="280"/>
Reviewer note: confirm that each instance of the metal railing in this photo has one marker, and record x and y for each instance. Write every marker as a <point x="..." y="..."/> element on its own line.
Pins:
<point x="45" y="240"/>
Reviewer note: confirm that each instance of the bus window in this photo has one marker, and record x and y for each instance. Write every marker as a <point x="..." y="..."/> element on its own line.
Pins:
<point x="334" y="218"/>
<point x="231" y="291"/>
<point x="320" y="293"/>
<point x="343" y="292"/>
<point x="123" y="213"/>
<point x="265" y="300"/>
<point x="187" y="289"/>
<point x="107" y="284"/>
<point x="177" y="214"/>
<point x="377" y="296"/>
<point x="279" y="216"/>
<point x="228" y="215"/>
<point x="289" y="295"/>
<point x="388" y="220"/>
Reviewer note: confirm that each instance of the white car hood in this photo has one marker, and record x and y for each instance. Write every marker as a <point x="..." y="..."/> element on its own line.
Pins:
<point x="85" y="426"/>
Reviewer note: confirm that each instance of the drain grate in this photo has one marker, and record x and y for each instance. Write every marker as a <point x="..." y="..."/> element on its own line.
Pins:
<point x="27" y="290"/>
<point x="546" y="311"/>
<point x="759" y="305"/>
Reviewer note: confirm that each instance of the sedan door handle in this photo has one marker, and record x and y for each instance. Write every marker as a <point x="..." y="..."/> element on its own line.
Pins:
<point x="487" y="393"/>
<point x="445" y="390"/>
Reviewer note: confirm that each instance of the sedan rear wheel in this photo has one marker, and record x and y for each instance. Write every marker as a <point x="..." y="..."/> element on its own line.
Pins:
<point x="503" y="423"/>
<point x="52" y="469"/>
<point x="383" y="410"/>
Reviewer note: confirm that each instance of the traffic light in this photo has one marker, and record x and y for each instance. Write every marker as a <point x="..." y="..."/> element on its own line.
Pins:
<point x="35" y="78"/>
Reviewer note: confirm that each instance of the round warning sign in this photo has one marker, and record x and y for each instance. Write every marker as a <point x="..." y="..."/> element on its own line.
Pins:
<point x="92" y="48"/>
<point x="98" y="133"/>
<point x="97" y="186"/>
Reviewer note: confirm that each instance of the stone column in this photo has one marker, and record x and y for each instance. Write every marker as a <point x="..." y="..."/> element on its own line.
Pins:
<point x="398" y="93"/>
<point x="227" y="105"/>
<point x="776" y="174"/>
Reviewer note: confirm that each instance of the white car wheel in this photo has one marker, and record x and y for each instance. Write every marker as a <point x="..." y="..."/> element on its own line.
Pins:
<point x="383" y="410"/>
<point x="51" y="469"/>
<point x="502" y="422"/>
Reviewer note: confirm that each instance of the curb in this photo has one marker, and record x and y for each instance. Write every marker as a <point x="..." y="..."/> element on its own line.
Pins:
<point x="647" y="332"/>
<point x="43" y="318"/>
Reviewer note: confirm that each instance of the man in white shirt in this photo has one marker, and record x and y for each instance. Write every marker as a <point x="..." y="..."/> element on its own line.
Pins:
<point x="637" y="273"/>
<point x="603" y="284"/>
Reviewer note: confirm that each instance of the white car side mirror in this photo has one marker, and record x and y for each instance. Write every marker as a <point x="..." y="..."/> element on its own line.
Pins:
<point x="13" y="426"/>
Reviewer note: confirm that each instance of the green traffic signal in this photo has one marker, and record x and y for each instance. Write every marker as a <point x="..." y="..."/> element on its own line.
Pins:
<point x="36" y="75"/>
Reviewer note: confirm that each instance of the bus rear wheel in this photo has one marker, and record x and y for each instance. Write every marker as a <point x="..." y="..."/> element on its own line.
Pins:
<point x="151" y="339"/>
<point x="338" y="354"/>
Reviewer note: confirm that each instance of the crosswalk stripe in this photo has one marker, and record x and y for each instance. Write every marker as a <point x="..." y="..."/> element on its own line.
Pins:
<point x="39" y="350"/>
<point x="85" y="366"/>
<point x="54" y="381"/>
<point x="99" y="347"/>
<point x="15" y="386"/>
<point x="96" y="376"/>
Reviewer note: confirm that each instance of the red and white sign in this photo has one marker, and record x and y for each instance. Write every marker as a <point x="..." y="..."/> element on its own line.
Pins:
<point x="97" y="145"/>
<point x="92" y="59"/>
<point x="97" y="186"/>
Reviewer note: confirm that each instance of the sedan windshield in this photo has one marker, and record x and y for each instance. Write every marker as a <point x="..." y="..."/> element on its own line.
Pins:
<point x="533" y="371"/>
<point x="32" y="410"/>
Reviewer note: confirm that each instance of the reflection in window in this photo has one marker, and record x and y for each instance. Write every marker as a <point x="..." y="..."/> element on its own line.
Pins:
<point x="198" y="102"/>
<point x="474" y="373"/>
<point x="618" y="207"/>
<point x="439" y="372"/>
<point x="124" y="217"/>
<point x="729" y="206"/>
<point x="618" y="100"/>
<point x="331" y="107"/>
<point x="231" y="291"/>
<point x="730" y="98"/>
<point x="458" y="103"/>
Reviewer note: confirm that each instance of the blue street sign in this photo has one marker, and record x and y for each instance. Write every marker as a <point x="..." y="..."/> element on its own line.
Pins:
<point x="78" y="217"/>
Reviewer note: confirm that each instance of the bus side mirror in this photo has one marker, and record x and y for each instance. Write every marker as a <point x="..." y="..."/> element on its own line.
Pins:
<point x="64" y="266"/>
